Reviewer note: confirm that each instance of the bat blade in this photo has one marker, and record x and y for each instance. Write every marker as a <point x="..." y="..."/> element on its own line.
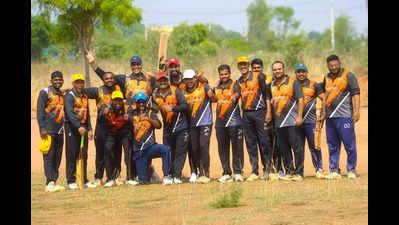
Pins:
<point x="163" y="46"/>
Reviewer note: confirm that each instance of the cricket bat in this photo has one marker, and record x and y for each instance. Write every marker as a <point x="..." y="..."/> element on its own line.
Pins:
<point x="317" y="132"/>
<point x="80" y="167"/>
<point x="163" y="47"/>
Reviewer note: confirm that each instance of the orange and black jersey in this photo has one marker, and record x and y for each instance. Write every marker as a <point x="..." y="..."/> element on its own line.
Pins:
<point x="310" y="91"/>
<point x="176" y="120"/>
<point x="253" y="91"/>
<point x="102" y="95"/>
<point x="50" y="110"/>
<point x="115" y="121"/>
<point x="200" y="109"/>
<point x="339" y="92"/>
<point x="227" y="114"/>
<point x="77" y="110"/>
<point x="284" y="101"/>
<point x="131" y="84"/>
<point x="143" y="131"/>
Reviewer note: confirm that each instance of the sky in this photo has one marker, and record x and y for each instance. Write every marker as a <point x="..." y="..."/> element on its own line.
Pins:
<point x="314" y="15"/>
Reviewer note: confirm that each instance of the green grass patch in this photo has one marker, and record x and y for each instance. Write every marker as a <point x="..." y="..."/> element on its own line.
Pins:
<point x="229" y="200"/>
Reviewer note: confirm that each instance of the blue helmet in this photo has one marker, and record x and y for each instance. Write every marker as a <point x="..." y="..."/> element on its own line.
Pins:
<point x="135" y="59"/>
<point x="140" y="96"/>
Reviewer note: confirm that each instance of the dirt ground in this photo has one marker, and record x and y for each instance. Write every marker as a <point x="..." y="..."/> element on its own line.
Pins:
<point x="361" y="129"/>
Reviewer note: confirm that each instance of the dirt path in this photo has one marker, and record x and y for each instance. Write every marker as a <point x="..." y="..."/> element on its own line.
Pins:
<point x="215" y="166"/>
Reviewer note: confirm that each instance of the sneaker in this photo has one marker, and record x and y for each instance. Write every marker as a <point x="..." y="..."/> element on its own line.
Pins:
<point x="285" y="177"/>
<point x="132" y="182"/>
<point x="238" y="178"/>
<point x="193" y="178"/>
<point x="89" y="185"/>
<point x="280" y="174"/>
<point x="59" y="187"/>
<point x="177" y="180"/>
<point x="273" y="176"/>
<point x="333" y="175"/>
<point x="203" y="179"/>
<point x="264" y="176"/>
<point x="352" y="175"/>
<point x="50" y="187"/>
<point x="167" y="180"/>
<point x="97" y="182"/>
<point x="72" y="186"/>
<point x="252" y="177"/>
<point x="320" y="174"/>
<point x="296" y="177"/>
<point x="110" y="184"/>
<point x="225" y="179"/>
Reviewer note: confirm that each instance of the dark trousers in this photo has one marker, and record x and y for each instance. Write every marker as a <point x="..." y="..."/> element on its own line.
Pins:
<point x="256" y="135"/>
<point x="277" y="159"/>
<point x="289" y="142"/>
<point x="143" y="157"/>
<point x="224" y="136"/>
<point x="200" y="140"/>
<point x="99" y="141"/>
<point x="72" y="145"/>
<point x="193" y="168"/>
<point x="341" y="130"/>
<point x="114" y="141"/>
<point x="178" y="143"/>
<point x="306" y="132"/>
<point x="52" y="159"/>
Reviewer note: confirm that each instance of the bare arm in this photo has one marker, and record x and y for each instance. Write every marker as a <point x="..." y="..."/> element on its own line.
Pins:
<point x="300" y="112"/>
<point x="356" y="107"/>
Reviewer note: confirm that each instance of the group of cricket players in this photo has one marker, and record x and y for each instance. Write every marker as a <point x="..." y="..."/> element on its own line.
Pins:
<point x="273" y="113"/>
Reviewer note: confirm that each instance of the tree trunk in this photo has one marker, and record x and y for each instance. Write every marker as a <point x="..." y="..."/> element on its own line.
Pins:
<point x="86" y="64"/>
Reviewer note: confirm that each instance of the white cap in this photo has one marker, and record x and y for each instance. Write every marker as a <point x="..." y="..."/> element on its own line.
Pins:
<point x="188" y="73"/>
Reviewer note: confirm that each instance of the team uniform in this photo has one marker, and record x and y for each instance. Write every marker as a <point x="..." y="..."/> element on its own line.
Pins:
<point x="50" y="117"/>
<point x="200" y="117"/>
<point x="175" y="127"/>
<point x="228" y="127"/>
<point x="117" y="133"/>
<point x="103" y="97"/>
<point x="339" y="123"/>
<point x="76" y="115"/>
<point x="310" y="91"/>
<point x="145" y="147"/>
<point x="284" y="101"/>
<point x="131" y="84"/>
<point x="253" y="95"/>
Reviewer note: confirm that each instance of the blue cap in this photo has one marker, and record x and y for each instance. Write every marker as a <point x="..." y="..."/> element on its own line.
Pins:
<point x="140" y="96"/>
<point x="135" y="59"/>
<point x="301" y="67"/>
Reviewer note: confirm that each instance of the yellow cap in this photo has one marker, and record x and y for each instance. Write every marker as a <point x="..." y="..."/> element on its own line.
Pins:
<point x="242" y="59"/>
<point x="78" y="76"/>
<point x="117" y="94"/>
<point x="44" y="144"/>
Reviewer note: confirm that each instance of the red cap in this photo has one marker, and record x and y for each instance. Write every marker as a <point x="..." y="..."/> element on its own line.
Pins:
<point x="162" y="74"/>
<point x="173" y="61"/>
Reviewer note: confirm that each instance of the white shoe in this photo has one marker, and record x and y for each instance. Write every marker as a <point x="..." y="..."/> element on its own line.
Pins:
<point x="333" y="176"/>
<point x="225" y="179"/>
<point x="203" y="179"/>
<point x="193" y="178"/>
<point x="320" y="174"/>
<point x="72" y="186"/>
<point x="89" y="185"/>
<point x="352" y="175"/>
<point x="167" y="180"/>
<point x="109" y="184"/>
<point x="97" y="182"/>
<point x="177" y="181"/>
<point x="238" y="178"/>
<point x="50" y="187"/>
<point x="59" y="187"/>
<point x="132" y="182"/>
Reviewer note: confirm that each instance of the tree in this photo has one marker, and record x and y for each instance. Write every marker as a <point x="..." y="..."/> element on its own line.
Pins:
<point x="40" y="35"/>
<point x="76" y="20"/>
<point x="285" y="21"/>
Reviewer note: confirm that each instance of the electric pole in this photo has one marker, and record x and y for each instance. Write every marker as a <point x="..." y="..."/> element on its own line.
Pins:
<point x="332" y="24"/>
